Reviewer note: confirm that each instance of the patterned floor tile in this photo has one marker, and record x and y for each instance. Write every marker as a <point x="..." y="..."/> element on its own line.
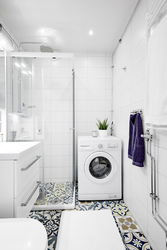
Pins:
<point x="37" y="215"/>
<point x="130" y="233"/>
<point x="127" y="224"/>
<point x="52" y="227"/>
<point x="52" y="243"/>
<point x="136" y="241"/>
<point x="52" y="214"/>
<point x="120" y="210"/>
<point x="56" y="193"/>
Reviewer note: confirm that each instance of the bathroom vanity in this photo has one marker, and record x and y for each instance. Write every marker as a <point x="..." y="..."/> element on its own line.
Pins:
<point x="19" y="178"/>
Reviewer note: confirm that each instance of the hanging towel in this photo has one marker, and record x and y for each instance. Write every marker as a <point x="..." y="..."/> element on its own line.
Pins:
<point x="136" y="142"/>
<point x="156" y="82"/>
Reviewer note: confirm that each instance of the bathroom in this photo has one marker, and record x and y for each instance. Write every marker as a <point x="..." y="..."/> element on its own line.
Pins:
<point x="110" y="81"/>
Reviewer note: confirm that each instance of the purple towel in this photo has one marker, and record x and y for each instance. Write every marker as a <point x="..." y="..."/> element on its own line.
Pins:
<point x="136" y="142"/>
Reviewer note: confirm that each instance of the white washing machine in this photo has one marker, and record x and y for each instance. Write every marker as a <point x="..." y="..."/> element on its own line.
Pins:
<point x="99" y="168"/>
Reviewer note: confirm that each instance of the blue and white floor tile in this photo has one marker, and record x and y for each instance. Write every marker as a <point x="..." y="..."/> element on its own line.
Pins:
<point x="130" y="232"/>
<point x="136" y="241"/>
<point x="56" y="193"/>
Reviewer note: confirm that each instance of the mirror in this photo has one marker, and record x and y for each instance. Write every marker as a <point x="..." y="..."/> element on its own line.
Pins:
<point x="22" y="85"/>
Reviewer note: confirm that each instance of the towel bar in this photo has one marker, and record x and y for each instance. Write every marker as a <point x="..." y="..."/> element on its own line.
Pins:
<point x="137" y="111"/>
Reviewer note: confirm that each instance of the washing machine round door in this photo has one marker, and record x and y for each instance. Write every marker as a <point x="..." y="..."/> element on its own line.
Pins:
<point x="100" y="167"/>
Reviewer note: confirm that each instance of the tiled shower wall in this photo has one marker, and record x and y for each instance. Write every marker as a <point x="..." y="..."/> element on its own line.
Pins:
<point x="129" y="94"/>
<point x="52" y="96"/>
<point x="93" y="90"/>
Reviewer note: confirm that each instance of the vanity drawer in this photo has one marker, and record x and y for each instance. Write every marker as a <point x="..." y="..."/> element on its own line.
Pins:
<point x="24" y="203"/>
<point x="25" y="170"/>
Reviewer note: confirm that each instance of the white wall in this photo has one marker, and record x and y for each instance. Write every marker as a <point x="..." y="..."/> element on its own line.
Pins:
<point x="128" y="94"/>
<point x="93" y="90"/>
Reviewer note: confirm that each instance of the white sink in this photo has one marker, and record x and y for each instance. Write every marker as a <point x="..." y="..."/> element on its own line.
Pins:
<point x="16" y="150"/>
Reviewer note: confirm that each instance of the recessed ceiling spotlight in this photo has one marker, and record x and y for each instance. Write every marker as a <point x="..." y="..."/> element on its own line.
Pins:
<point x="91" y="32"/>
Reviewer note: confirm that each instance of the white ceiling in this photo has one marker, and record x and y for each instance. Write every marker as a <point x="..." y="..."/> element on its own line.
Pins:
<point x="67" y="22"/>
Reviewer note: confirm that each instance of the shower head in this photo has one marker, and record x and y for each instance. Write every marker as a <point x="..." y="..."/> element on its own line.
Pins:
<point x="45" y="48"/>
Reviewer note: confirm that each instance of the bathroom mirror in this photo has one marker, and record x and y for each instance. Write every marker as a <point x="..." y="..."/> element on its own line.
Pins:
<point x="2" y="79"/>
<point x="22" y="85"/>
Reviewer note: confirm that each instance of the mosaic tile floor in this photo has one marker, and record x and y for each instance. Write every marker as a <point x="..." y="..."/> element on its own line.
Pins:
<point x="56" y="193"/>
<point x="130" y="232"/>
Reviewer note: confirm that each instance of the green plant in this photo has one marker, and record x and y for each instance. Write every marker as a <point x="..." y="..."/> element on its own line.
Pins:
<point x="102" y="125"/>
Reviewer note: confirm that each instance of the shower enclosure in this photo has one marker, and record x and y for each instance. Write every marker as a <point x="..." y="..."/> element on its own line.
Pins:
<point x="41" y="107"/>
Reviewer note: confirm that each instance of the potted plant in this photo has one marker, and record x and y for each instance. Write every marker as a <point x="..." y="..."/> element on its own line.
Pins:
<point x="102" y="126"/>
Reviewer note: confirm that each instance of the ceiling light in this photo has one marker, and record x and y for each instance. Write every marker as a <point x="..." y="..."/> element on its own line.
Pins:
<point x="91" y="32"/>
<point x="29" y="72"/>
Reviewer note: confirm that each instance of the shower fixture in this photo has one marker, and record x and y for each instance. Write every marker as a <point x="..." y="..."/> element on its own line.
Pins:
<point x="43" y="48"/>
<point x="46" y="48"/>
<point x="28" y="43"/>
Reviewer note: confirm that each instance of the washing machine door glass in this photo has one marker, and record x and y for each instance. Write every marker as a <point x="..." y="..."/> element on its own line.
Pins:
<point x="100" y="167"/>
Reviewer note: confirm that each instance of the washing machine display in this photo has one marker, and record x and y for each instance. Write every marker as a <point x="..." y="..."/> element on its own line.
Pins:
<point x="100" y="167"/>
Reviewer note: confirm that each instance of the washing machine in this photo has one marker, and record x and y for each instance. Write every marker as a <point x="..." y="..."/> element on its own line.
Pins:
<point x="99" y="168"/>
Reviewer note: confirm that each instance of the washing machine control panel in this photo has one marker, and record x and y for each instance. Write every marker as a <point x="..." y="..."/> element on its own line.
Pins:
<point x="112" y="145"/>
<point x="108" y="146"/>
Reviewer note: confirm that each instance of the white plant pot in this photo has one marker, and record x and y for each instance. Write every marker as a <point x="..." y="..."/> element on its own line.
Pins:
<point x="102" y="133"/>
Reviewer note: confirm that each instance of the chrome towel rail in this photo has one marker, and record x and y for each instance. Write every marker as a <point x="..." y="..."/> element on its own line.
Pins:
<point x="153" y="194"/>
<point x="137" y="111"/>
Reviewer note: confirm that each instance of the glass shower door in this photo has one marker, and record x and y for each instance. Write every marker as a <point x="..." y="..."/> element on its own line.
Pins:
<point x="53" y="88"/>
<point x="42" y="109"/>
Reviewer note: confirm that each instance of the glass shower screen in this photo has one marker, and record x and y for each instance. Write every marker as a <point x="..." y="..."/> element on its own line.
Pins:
<point x="43" y="109"/>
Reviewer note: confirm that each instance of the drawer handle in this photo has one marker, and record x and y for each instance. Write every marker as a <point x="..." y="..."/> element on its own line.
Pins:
<point x="24" y="169"/>
<point x="31" y="195"/>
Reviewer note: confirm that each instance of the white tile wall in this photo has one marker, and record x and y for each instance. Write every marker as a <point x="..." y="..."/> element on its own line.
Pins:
<point x="93" y="90"/>
<point x="52" y="86"/>
<point x="129" y="94"/>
